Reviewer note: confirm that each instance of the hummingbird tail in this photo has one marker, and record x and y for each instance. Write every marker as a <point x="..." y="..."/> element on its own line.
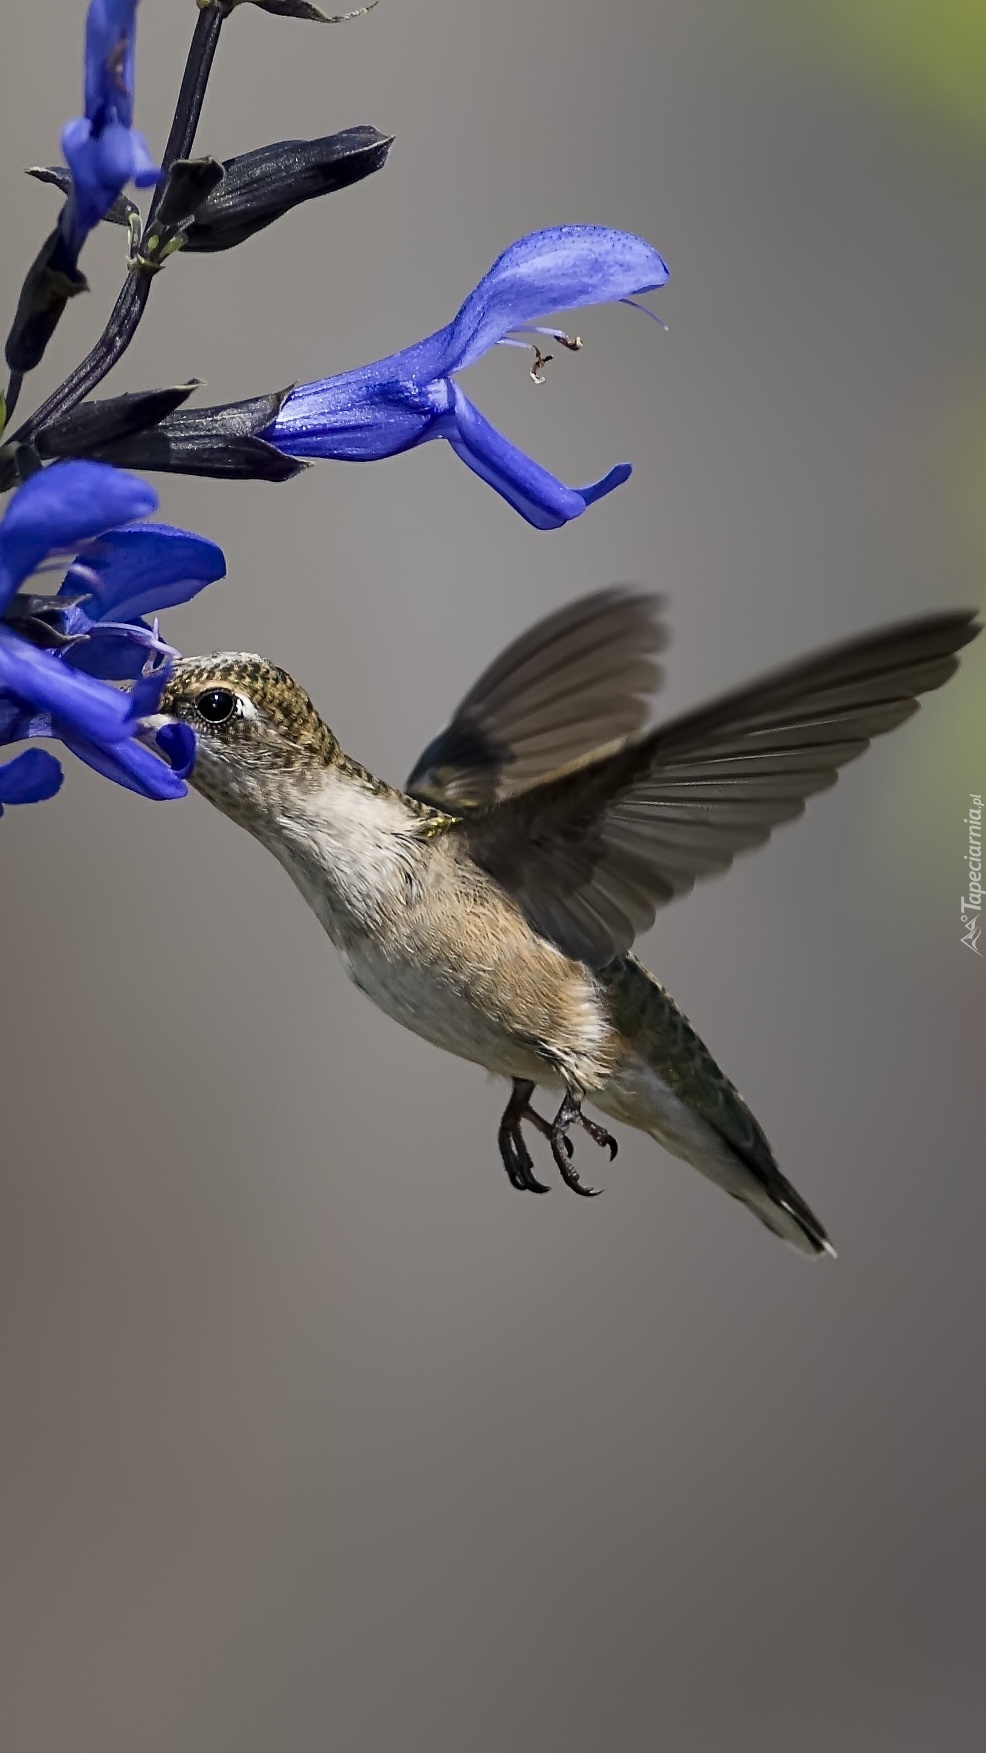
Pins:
<point x="668" y="1085"/>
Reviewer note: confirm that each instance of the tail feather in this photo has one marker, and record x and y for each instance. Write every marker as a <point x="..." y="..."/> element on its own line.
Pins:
<point x="672" y="1088"/>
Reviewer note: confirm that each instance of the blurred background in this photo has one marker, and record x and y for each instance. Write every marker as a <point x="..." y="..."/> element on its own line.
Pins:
<point x="314" y="1434"/>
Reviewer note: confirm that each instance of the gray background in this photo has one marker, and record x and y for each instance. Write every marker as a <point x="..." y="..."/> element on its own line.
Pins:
<point x="314" y="1433"/>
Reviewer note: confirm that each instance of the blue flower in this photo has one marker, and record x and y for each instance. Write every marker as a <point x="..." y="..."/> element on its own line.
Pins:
<point x="60" y="653"/>
<point x="411" y="397"/>
<point x="102" y="149"/>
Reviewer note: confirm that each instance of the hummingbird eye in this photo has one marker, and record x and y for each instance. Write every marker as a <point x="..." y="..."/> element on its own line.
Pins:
<point x="216" y="705"/>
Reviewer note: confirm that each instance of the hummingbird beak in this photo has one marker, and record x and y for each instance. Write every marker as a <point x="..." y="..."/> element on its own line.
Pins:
<point x="148" y="727"/>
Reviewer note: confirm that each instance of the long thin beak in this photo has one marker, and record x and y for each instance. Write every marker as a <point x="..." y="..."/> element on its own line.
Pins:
<point x="149" y="727"/>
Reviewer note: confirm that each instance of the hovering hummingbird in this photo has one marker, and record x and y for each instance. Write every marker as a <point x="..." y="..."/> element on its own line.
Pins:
<point x="491" y="905"/>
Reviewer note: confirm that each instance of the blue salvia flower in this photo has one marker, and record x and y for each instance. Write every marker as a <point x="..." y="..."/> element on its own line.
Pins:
<point x="103" y="149"/>
<point x="411" y="397"/>
<point x="59" y="654"/>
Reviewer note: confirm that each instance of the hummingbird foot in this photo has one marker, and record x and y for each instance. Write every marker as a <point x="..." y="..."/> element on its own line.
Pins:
<point x="517" y="1159"/>
<point x="569" y="1114"/>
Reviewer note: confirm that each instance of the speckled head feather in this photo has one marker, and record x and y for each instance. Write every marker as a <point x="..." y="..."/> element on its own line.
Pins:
<point x="255" y="729"/>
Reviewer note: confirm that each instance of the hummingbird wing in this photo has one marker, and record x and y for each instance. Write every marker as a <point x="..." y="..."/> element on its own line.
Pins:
<point x="575" y="681"/>
<point x="592" y="852"/>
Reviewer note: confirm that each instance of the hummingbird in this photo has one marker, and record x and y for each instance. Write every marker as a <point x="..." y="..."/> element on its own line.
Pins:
<point x="490" y="906"/>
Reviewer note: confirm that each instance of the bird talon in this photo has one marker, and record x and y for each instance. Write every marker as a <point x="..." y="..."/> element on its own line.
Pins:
<point x="517" y="1159"/>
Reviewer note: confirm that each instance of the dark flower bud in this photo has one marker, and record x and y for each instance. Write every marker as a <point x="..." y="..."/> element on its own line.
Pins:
<point x="220" y="442"/>
<point x="190" y="183"/>
<point x="92" y="425"/>
<point x="259" y="186"/>
<point x="52" y="280"/>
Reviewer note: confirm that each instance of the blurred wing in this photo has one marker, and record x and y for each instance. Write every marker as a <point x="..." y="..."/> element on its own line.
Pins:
<point x="575" y="682"/>
<point x="591" y="854"/>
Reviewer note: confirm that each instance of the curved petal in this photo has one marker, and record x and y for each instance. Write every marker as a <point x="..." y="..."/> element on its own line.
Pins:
<point x="177" y="744"/>
<point x="547" y="271"/>
<point x="41" y="681"/>
<point x="128" y="763"/>
<point x="145" y="169"/>
<point x="539" y="496"/>
<point x="62" y="506"/>
<point x="143" y="569"/>
<point x="29" y="778"/>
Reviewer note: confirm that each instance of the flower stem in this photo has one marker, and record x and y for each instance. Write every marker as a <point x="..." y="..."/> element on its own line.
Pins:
<point x="132" y="301"/>
<point x="191" y="97"/>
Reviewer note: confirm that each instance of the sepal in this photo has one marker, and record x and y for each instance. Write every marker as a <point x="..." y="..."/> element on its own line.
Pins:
<point x="190" y="183"/>
<point x="122" y="212"/>
<point x="93" y="425"/>
<point x="220" y="442"/>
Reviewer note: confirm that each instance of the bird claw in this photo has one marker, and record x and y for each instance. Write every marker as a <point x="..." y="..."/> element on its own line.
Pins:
<point x="568" y="1115"/>
<point x="517" y="1159"/>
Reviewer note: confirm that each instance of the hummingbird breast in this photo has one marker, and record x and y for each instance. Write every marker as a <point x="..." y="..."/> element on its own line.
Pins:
<point x="438" y="945"/>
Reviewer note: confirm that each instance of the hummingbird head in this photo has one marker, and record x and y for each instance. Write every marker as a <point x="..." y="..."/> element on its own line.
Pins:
<point x="259" y="740"/>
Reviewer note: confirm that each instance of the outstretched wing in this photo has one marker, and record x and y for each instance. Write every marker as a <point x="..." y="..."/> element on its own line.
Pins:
<point x="577" y="681"/>
<point x="592" y="853"/>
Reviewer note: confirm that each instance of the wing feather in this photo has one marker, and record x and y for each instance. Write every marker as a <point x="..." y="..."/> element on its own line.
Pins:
<point x="576" y="681"/>
<point x="592" y="852"/>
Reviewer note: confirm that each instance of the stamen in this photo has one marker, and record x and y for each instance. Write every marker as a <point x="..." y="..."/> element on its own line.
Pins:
<point x="146" y="636"/>
<point x="540" y="361"/>
<point x="85" y="574"/>
<point x="572" y="342"/>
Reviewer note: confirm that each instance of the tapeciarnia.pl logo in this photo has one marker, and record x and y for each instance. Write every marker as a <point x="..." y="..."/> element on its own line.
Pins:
<point x="971" y="905"/>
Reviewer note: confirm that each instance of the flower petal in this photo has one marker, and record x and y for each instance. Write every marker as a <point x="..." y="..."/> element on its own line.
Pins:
<point x="111" y="30"/>
<point x="18" y="723"/>
<point x="61" y="507"/>
<point x="29" y="778"/>
<point x="143" y="569"/>
<point x="129" y="763"/>
<point x="40" y="680"/>
<point x="547" y="271"/>
<point x="357" y="417"/>
<point x="539" y="496"/>
<point x="177" y="743"/>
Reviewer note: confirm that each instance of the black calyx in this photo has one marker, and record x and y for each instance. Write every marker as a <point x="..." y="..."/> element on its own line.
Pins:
<point x="221" y="442"/>
<point x="93" y="425"/>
